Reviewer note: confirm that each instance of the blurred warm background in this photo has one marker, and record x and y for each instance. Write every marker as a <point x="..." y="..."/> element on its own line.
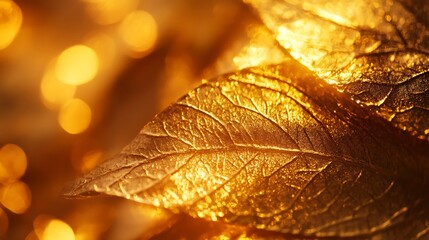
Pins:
<point x="78" y="80"/>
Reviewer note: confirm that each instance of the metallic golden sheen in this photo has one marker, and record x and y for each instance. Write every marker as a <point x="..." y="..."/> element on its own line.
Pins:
<point x="376" y="51"/>
<point x="274" y="148"/>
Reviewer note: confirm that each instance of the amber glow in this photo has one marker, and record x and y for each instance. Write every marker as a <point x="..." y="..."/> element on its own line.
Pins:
<point x="261" y="49"/>
<point x="13" y="163"/>
<point x="16" y="197"/>
<point x="4" y="222"/>
<point x="88" y="231"/>
<point x="288" y="39"/>
<point x="259" y="54"/>
<point x="54" y="92"/>
<point x="10" y="22"/>
<point x="243" y="237"/>
<point x="77" y="65"/>
<point x="57" y="229"/>
<point x="75" y="116"/>
<point x="253" y="119"/>
<point x="40" y="223"/>
<point x="105" y="47"/>
<point x="50" y="228"/>
<point x="229" y="237"/>
<point x="139" y="31"/>
<point x="106" y="12"/>
<point x="31" y="236"/>
<point x="327" y="14"/>
<point x="88" y="161"/>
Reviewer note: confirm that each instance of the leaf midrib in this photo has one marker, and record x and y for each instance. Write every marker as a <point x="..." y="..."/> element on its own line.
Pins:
<point x="251" y="148"/>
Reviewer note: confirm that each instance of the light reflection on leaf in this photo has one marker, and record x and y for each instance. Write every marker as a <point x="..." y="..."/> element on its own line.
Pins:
<point x="376" y="51"/>
<point x="253" y="46"/>
<point x="274" y="148"/>
<point x="261" y="48"/>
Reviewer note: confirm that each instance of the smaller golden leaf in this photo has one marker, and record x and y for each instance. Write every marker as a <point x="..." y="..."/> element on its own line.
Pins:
<point x="376" y="51"/>
<point x="274" y="148"/>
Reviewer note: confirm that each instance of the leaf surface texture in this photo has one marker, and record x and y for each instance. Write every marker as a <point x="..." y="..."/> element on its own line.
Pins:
<point x="376" y="51"/>
<point x="274" y="148"/>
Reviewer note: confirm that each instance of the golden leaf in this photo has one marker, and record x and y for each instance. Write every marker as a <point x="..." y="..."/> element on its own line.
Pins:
<point x="260" y="49"/>
<point x="186" y="227"/>
<point x="274" y="148"/>
<point x="376" y="51"/>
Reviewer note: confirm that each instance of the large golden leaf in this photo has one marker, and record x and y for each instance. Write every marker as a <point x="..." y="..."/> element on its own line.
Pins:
<point x="375" y="50"/>
<point x="274" y="148"/>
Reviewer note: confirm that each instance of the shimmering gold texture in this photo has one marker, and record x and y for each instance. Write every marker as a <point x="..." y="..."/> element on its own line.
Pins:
<point x="376" y="51"/>
<point x="274" y="148"/>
